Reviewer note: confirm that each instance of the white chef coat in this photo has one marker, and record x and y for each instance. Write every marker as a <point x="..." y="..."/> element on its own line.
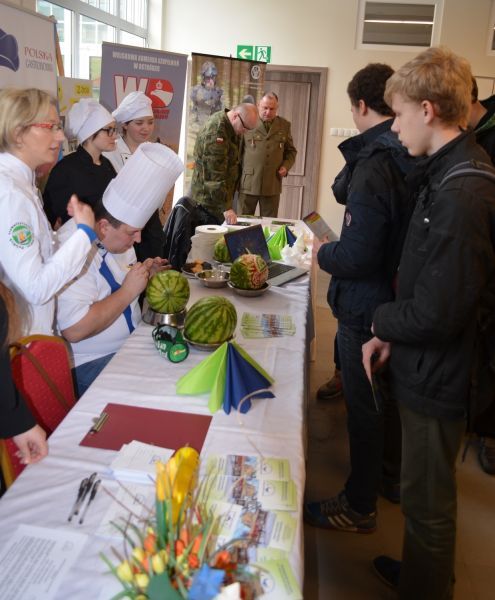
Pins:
<point x="118" y="156"/>
<point x="90" y="286"/>
<point x="31" y="263"/>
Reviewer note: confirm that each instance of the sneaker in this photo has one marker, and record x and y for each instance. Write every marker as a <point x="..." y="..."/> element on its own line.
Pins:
<point x="331" y="389"/>
<point x="390" y="491"/>
<point x="486" y="455"/>
<point x="388" y="570"/>
<point x="336" y="513"/>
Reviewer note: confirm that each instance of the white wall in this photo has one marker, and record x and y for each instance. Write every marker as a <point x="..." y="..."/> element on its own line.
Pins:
<point x="315" y="33"/>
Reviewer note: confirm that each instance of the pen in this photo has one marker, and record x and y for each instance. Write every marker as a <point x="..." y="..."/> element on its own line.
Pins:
<point x="92" y="495"/>
<point x="87" y="487"/>
<point x="99" y="423"/>
<point x="80" y="492"/>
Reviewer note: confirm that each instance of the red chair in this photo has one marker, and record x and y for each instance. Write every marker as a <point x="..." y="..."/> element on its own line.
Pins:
<point x="42" y="373"/>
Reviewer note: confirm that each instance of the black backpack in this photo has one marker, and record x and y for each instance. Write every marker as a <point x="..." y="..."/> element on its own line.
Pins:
<point x="482" y="392"/>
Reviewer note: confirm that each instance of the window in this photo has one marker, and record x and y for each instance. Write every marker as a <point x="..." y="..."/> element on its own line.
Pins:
<point x="401" y="25"/>
<point x="82" y="25"/>
<point x="491" y="31"/>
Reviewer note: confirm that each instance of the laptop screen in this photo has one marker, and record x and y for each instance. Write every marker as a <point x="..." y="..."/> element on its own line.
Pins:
<point x="248" y="240"/>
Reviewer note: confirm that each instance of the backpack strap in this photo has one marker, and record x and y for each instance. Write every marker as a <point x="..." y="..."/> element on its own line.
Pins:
<point x="469" y="168"/>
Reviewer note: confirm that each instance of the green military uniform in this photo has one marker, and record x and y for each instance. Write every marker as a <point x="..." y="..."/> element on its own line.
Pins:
<point x="216" y="165"/>
<point x="264" y="151"/>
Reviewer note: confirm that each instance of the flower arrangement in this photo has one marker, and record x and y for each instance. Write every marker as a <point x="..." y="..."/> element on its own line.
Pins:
<point x="173" y="555"/>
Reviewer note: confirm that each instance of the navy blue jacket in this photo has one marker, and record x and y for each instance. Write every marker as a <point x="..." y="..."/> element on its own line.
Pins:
<point x="363" y="263"/>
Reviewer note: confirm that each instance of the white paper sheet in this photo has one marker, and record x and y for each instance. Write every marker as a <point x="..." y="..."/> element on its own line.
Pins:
<point x="35" y="561"/>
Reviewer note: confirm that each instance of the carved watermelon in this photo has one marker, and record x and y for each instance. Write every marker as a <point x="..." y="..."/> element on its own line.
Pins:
<point x="211" y="320"/>
<point x="167" y="292"/>
<point x="249" y="272"/>
<point x="221" y="252"/>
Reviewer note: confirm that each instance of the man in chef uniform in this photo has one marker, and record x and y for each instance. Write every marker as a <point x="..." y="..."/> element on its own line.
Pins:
<point x="99" y="309"/>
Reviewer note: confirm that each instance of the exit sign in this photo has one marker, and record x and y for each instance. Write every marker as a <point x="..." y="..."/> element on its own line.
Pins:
<point x="259" y="53"/>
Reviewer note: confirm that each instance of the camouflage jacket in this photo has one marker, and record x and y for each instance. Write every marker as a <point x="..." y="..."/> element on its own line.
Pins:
<point x="216" y="165"/>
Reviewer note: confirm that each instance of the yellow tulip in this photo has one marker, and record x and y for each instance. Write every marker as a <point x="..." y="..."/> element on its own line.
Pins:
<point x="142" y="580"/>
<point x="124" y="571"/>
<point x="157" y="564"/>
<point x="138" y="554"/>
<point x="180" y="473"/>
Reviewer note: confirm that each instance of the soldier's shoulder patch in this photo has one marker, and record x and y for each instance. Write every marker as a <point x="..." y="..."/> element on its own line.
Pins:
<point x="21" y="235"/>
<point x="348" y="218"/>
<point x="220" y="140"/>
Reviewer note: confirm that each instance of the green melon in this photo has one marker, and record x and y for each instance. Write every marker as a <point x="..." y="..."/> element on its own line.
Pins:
<point x="249" y="272"/>
<point x="167" y="292"/>
<point x="221" y="252"/>
<point x="211" y="320"/>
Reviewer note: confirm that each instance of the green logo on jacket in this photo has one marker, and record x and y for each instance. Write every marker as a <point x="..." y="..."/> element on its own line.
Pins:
<point x="20" y="235"/>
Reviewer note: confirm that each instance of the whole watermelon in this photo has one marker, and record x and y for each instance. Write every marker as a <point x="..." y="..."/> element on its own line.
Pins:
<point x="211" y="320"/>
<point x="249" y="272"/>
<point x="167" y="292"/>
<point x="220" y="251"/>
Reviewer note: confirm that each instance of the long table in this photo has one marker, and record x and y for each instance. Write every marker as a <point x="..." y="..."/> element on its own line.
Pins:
<point x="44" y="493"/>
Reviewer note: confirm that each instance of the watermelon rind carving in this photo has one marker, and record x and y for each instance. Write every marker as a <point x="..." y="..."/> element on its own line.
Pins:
<point x="210" y="320"/>
<point x="249" y="272"/>
<point x="168" y="292"/>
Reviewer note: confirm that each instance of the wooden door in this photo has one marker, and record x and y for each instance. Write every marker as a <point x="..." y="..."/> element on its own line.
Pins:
<point x="301" y="93"/>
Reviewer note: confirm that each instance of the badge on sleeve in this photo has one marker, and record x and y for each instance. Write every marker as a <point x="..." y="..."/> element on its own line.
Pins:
<point x="20" y="235"/>
<point x="348" y="218"/>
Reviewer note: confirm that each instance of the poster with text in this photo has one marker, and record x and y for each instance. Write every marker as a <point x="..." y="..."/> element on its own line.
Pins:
<point x="27" y="50"/>
<point x="218" y="82"/>
<point x="160" y="75"/>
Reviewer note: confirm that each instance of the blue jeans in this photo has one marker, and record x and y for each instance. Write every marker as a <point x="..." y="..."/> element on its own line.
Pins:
<point x="373" y="425"/>
<point x="86" y="373"/>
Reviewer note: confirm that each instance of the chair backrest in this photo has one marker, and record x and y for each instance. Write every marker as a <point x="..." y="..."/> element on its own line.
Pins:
<point x="42" y="373"/>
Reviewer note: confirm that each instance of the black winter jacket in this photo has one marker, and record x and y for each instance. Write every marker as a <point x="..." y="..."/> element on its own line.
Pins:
<point x="446" y="277"/>
<point x="363" y="263"/>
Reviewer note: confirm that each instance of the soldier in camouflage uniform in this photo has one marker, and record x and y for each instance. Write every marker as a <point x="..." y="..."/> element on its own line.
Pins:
<point x="216" y="160"/>
<point x="206" y="97"/>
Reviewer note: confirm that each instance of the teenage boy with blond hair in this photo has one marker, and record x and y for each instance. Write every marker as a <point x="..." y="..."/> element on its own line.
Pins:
<point x="446" y="278"/>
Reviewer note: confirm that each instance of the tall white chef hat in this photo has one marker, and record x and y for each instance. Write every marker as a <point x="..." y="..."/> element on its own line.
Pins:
<point x="135" y="105"/>
<point x="85" y="118"/>
<point x="142" y="184"/>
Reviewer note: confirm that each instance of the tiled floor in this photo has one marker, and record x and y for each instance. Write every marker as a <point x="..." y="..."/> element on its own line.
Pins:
<point x="337" y="565"/>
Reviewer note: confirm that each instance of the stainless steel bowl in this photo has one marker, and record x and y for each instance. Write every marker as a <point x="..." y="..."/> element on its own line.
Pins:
<point x="151" y="317"/>
<point x="213" y="278"/>
<point x="249" y="293"/>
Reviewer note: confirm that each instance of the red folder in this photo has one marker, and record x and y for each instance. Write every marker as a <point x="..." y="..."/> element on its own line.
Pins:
<point x="163" y="428"/>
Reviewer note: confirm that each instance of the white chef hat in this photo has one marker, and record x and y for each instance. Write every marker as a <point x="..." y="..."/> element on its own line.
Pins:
<point x="135" y="105"/>
<point x="85" y="118"/>
<point x="142" y="184"/>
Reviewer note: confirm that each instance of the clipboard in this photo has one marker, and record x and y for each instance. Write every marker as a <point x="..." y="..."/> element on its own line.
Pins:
<point x="164" y="428"/>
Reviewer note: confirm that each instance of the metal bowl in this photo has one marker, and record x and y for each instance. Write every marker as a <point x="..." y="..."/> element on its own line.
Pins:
<point x="151" y="317"/>
<point x="213" y="278"/>
<point x="249" y="293"/>
<point x="205" y="347"/>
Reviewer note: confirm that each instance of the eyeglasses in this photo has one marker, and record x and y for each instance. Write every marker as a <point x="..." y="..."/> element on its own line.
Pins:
<point x="53" y="127"/>
<point x="110" y="130"/>
<point x="243" y="124"/>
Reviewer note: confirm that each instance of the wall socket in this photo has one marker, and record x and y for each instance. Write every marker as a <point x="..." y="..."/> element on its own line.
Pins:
<point x="343" y="132"/>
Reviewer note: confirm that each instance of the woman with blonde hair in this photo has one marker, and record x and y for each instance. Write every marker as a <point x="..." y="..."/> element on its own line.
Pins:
<point x="15" y="419"/>
<point x="31" y="264"/>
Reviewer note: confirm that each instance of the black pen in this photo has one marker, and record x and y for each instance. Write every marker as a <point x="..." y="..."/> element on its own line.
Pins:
<point x="94" y="489"/>
<point x="80" y="492"/>
<point x="89" y="483"/>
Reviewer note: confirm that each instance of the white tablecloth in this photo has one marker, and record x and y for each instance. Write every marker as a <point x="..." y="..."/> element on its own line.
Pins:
<point x="44" y="493"/>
